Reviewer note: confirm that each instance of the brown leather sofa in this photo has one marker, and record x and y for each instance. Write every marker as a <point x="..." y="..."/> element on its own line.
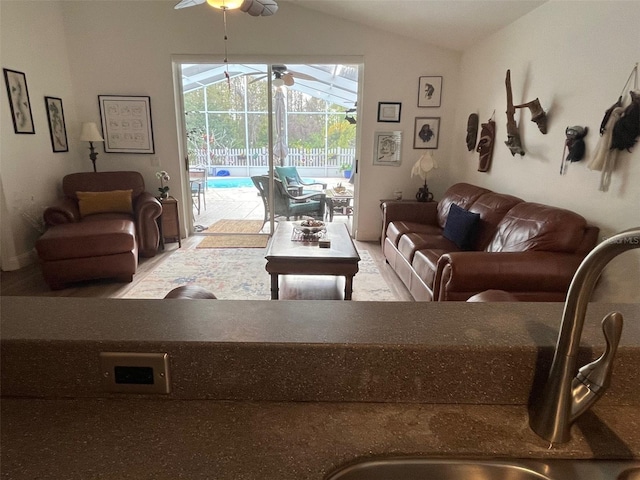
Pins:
<point x="82" y="244"/>
<point x="527" y="249"/>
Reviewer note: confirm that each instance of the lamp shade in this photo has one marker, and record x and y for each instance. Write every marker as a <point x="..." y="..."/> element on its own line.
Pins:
<point x="225" y="4"/>
<point x="424" y="165"/>
<point x="90" y="133"/>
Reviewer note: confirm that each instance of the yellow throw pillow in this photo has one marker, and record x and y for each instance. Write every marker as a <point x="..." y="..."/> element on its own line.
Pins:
<point x="115" y="201"/>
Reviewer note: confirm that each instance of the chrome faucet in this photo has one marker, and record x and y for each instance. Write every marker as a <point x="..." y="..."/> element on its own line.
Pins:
<point x="567" y="395"/>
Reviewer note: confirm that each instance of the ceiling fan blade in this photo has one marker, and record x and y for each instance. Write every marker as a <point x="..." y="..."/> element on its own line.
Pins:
<point x="302" y="76"/>
<point x="257" y="8"/>
<point x="288" y="79"/>
<point x="188" y="3"/>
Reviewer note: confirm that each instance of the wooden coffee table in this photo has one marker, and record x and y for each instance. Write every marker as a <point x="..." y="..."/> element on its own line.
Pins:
<point x="288" y="257"/>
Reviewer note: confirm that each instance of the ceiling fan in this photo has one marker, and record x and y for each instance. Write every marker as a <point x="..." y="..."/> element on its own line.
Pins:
<point x="255" y="8"/>
<point x="283" y="76"/>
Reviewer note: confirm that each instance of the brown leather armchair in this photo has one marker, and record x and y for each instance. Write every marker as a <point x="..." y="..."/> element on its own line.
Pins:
<point x="146" y="208"/>
<point x="101" y="234"/>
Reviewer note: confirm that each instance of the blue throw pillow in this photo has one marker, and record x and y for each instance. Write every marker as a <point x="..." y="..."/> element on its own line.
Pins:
<point x="461" y="227"/>
<point x="292" y="182"/>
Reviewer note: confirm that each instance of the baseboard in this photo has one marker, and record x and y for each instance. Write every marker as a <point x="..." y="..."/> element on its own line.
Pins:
<point x="17" y="262"/>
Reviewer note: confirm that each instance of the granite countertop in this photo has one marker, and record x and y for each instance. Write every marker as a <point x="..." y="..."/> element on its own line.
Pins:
<point x="129" y="439"/>
<point x="292" y="390"/>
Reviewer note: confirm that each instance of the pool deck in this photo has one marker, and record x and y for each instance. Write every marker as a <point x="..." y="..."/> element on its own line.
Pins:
<point x="238" y="203"/>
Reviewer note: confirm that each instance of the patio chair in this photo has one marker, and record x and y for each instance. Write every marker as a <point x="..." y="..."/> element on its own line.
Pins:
<point x="294" y="183"/>
<point x="287" y="205"/>
<point x="198" y="183"/>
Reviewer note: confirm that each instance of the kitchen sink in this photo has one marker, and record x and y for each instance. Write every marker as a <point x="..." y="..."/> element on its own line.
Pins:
<point x="472" y="469"/>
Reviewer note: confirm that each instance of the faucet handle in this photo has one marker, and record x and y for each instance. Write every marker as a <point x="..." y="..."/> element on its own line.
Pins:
<point x="594" y="378"/>
<point x="598" y="373"/>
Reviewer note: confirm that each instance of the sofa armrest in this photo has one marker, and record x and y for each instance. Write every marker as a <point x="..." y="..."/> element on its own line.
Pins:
<point x="474" y="272"/>
<point x="146" y="210"/>
<point x="63" y="210"/>
<point x="418" y="212"/>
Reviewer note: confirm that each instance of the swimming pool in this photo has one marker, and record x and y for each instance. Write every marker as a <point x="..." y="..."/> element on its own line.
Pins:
<point x="234" y="182"/>
<point x="229" y="182"/>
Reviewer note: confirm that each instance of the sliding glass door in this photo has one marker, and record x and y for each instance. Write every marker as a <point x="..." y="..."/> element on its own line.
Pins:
<point x="243" y="119"/>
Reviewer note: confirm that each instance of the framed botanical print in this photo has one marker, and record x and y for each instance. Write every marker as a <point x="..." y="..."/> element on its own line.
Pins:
<point x="389" y="111"/>
<point x="18" y="92"/>
<point x="429" y="91"/>
<point x="387" y="148"/>
<point x="57" y="128"/>
<point x="126" y="123"/>
<point x="427" y="131"/>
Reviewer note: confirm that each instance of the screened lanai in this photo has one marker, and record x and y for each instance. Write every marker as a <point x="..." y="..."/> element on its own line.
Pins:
<point x="226" y="117"/>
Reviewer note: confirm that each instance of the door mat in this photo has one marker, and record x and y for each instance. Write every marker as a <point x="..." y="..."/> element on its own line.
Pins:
<point x="234" y="241"/>
<point x="236" y="226"/>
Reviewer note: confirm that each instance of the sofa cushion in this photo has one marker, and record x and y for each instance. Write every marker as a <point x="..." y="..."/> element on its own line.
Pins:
<point x="461" y="227"/>
<point x="87" y="239"/>
<point x="114" y="201"/>
<point x="462" y="194"/>
<point x="398" y="228"/>
<point x="492" y="208"/>
<point x="412" y="242"/>
<point x="532" y="226"/>
<point x="425" y="263"/>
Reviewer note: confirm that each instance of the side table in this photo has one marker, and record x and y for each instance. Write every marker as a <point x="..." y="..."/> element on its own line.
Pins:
<point x="169" y="222"/>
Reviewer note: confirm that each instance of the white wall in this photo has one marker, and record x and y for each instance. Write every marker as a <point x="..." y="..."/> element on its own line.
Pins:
<point x="576" y="57"/>
<point x="33" y="41"/>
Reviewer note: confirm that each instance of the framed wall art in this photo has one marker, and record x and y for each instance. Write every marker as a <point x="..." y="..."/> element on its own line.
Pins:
<point x="387" y="148"/>
<point x="18" y="92"/>
<point x="389" y="112"/>
<point x="126" y="124"/>
<point x="57" y="128"/>
<point x="429" y="91"/>
<point x="427" y="131"/>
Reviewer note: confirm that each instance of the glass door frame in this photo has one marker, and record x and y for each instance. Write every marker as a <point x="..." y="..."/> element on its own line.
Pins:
<point x="268" y="61"/>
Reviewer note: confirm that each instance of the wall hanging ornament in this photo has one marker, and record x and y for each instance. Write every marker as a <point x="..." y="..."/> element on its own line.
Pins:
<point x="485" y="144"/>
<point x="472" y="131"/>
<point x="513" y="135"/>
<point x="538" y="115"/>
<point x="574" y="146"/>
<point x="605" y="154"/>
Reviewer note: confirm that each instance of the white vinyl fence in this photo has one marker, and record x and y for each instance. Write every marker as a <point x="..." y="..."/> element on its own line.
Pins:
<point x="242" y="162"/>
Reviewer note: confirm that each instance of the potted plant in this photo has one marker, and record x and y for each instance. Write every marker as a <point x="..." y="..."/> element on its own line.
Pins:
<point x="345" y="168"/>
<point x="163" y="176"/>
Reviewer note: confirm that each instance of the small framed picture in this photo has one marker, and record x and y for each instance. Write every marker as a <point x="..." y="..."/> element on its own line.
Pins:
<point x="57" y="128"/>
<point x="429" y="91"/>
<point x="426" y="133"/>
<point x="126" y="123"/>
<point x="387" y="148"/>
<point x="389" y="112"/>
<point x="18" y="92"/>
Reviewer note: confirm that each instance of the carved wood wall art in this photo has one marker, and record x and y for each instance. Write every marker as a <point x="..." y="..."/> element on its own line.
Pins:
<point x="538" y="115"/>
<point x="513" y="135"/>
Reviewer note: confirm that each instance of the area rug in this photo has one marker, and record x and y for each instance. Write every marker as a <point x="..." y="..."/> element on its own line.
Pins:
<point x="239" y="274"/>
<point x="234" y="241"/>
<point x="236" y="226"/>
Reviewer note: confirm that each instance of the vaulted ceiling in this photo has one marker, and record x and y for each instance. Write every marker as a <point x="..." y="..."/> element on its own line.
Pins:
<point x="453" y="24"/>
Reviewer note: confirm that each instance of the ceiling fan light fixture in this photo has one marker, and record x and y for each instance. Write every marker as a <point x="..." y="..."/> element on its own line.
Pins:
<point x="225" y="4"/>
<point x="278" y="82"/>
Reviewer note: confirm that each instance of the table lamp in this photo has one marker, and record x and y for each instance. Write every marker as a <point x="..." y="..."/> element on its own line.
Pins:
<point x="91" y="134"/>
<point x="421" y="168"/>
